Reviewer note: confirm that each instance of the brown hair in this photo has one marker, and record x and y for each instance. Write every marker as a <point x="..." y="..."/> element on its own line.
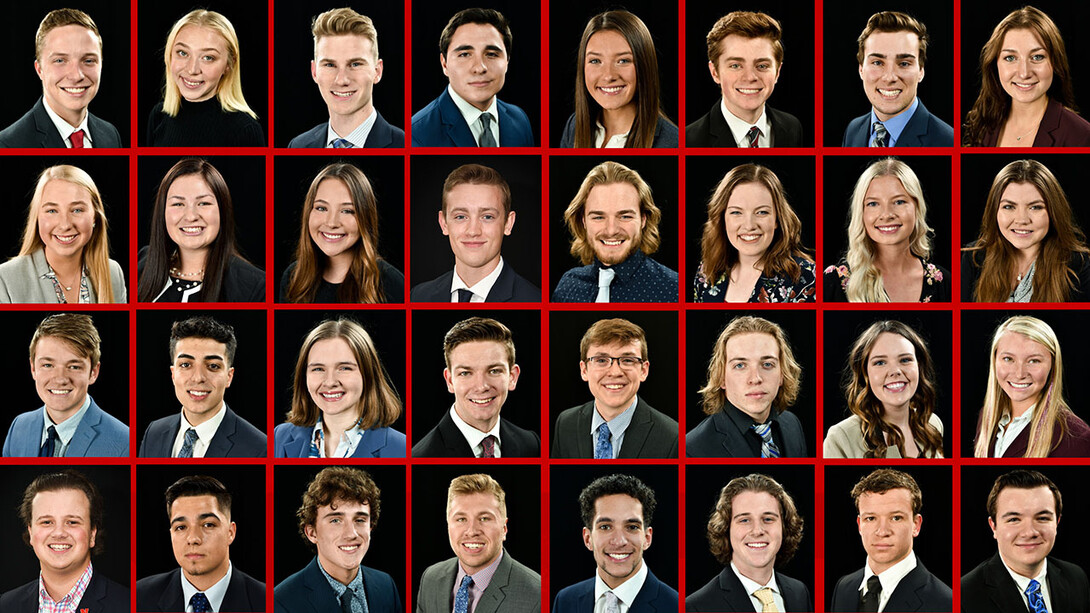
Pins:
<point x="886" y="479"/>
<point x="612" y="331"/>
<point x="479" y="329"/>
<point x="1023" y="480"/>
<point x="715" y="397"/>
<point x="476" y="174"/>
<point x="609" y="173"/>
<point x="64" y="480"/>
<point x="747" y="25"/>
<point x="894" y="21"/>
<point x="344" y="22"/>
<point x="200" y="485"/>
<point x="489" y="17"/>
<point x="58" y="19"/>
<point x="333" y="484"/>
<point x="718" y="531"/>
<point x="479" y="483"/>
<point x="76" y="329"/>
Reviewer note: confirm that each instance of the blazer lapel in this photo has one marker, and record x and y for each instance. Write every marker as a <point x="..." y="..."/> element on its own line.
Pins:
<point x="380" y="136"/>
<point x="47" y="132"/>
<point x="734" y="593"/>
<point x="583" y="437"/>
<point x="637" y="432"/>
<point x="504" y="287"/>
<point x="223" y="440"/>
<point x="372" y="443"/>
<point x="86" y="432"/>
<point x="171" y="599"/>
<point x="730" y="438"/>
<point x="454" y="125"/>
<point x="493" y="596"/>
<point x="1002" y="590"/>
<point x="719" y="128"/>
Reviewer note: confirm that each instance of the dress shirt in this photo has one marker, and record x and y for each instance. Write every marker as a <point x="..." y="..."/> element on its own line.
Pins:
<point x="65" y="430"/>
<point x="638" y="279"/>
<point x="350" y="439"/>
<point x="894" y="125"/>
<point x="1023" y="583"/>
<point x="474" y="437"/>
<point x="626" y="592"/>
<point x="214" y="594"/>
<point x="617" y="425"/>
<point x="617" y="141"/>
<point x="1009" y="429"/>
<point x="359" y="595"/>
<point x="739" y="128"/>
<point x="480" y="289"/>
<point x="481" y="579"/>
<point x="752" y="586"/>
<point x="68" y="603"/>
<point x="357" y="137"/>
<point x="472" y="115"/>
<point x="889" y="578"/>
<point x="66" y="128"/>
<point x="205" y="432"/>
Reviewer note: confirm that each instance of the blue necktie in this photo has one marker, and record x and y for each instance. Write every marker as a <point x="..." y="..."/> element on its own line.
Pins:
<point x="341" y="143"/>
<point x="461" y="599"/>
<point x="1036" y="600"/>
<point x="187" y="445"/>
<point x="768" y="447"/>
<point x="50" y="445"/>
<point x="603" y="449"/>
<point x="200" y="603"/>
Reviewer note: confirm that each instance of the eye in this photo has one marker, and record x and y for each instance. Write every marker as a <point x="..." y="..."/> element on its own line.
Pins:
<point x="739" y="366"/>
<point x="1037" y="207"/>
<point x="209" y="58"/>
<point x="1009" y="58"/>
<point x="321" y="208"/>
<point x="876" y="62"/>
<point x="905" y="64"/>
<point x="764" y="67"/>
<point x="208" y="525"/>
<point x="206" y="203"/>
<point x="594" y="61"/>
<point x="1038" y="57"/>
<point x="91" y="61"/>
<point x="629" y="362"/>
<point x="496" y="372"/>
<point x="347" y="211"/>
<point x="317" y="369"/>
<point x="768" y="365"/>
<point x="215" y="366"/>
<point x="871" y="203"/>
<point x="900" y="201"/>
<point x="357" y="64"/>
<point x="878" y="363"/>
<point x="335" y="520"/>
<point x="734" y="65"/>
<point x="461" y="217"/>
<point x="463" y="54"/>
<point x="488" y="217"/>
<point x="327" y="64"/>
<point x="624" y="60"/>
<point x="182" y="53"/>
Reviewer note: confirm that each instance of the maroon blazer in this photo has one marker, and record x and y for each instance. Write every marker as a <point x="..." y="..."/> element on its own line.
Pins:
<point x="1059" y="127"/>
<point x="1075" y="445"/>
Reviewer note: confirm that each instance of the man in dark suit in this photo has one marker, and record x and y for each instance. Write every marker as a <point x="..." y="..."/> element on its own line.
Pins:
<point x="474" y="50"/>
<point x="202" y="352"/>
<point x="346" y="67"/>
<point x="892" y="53"/>
<point x="893" y="579"/>
<point x="68" y="60"/>
<point x="616" y="424"/>
<point x="617" y="512"/>
<point x="482" y="576"/>
<point x="481" y="370"/>
<point x="64" y="508"/>
<point x="745" y="56"/>
<point x="753" y="528"/>
<point x="1024" y="509"/>
<point x="476" y="215"/>
<point x="340" y="508"/>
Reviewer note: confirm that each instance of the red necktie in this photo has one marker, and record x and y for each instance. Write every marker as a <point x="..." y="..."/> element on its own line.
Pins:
<point x="77" y="139"/>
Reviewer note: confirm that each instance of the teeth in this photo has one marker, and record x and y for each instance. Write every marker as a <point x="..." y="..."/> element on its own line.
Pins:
<point x="747" y="91"/>
<point x="189" y="83"/>
<point x="344" y="94"/>
<point x="482" y="402"/>
<point x="332" y="396"/>
<point x="889" y="93"/>
<point x="473" y="546"/>
<point x="65" y="239"/>
<point x="1019" y="386"/>
<point x="613" y="242"/>
<point x="619" y="556"/>
<point x="192" y="230"/>
<point x="332" y="237"/>
<point x="1022" y="232"/>
<point x="612" y="90"/>
<point x="896" y="387"/>
<point x="198" y="394"/>
<point x="60" y="392"/>
<point x="613" y="386"/>
<point x="889" y="229"/>
<point x="349" y="548"/>
<point x="749" y="238"/>
<point x="756" y="545"/>
<point x="74" y="90"/>
<point x="60" y="547"/>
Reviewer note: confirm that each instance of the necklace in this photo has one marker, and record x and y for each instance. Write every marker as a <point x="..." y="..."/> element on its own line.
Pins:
<point x="1019" y="138"/>
<point x="177" y="273"/>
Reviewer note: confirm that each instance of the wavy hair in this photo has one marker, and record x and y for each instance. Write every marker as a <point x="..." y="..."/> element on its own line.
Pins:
<point x="229" y="90"/>
<point x="609" y="173"/>
<point x="718" y="530"/>
<point x="715" y="397"/>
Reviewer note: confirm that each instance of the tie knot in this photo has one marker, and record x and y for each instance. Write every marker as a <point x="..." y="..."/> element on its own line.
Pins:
<point x="52" y="430"/>
<point x="464" y="295"/>
<point x="487" y="139"/>
<point x="200" y="603"/>
<point x="764" y="431"/>
<point x="765" y="596"/>
<point x="467" y="582"/>
<point x="605" y="276"/>
<point x="613" y="604"/>
<point x="191" y="436"/>
<point x="77" y="139"/>
<point x="753" y="136"/>
<point x="488" y="448"/>
<point x="874" y="584"/>
<point x="342" y="143"/>
<point x="881" y="135"/>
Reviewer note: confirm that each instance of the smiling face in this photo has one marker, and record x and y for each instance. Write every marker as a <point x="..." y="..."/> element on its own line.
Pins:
<point x="892" y="370"/>
<point x="342" y="534"/>
<point x="746" y="73"/>
<point x="198" y="60"/>
<point x="613" y="221"/>
<point x="618" y="537"/>
<point x="201" y="535"/>
<point x="332" y="220"/>
<point x="756" y="533"/>
<point x="479" y="376"/>
<point x="1023" y="217"/>
<point x="887" y="527"/>
<point x="753" y="377"/>
<point x="70" y="67"/>
<point x="1025" y="528"/>
<point x="476" y="63"/>
<point x="61" y="376"/>
<point x="889" y="213"/>
<point x="1025" y="71"/>
<point x="66" y="219"/>
<point x="615" y="386"/>
<point x="60" y="531"/>
<point x="750" y="219"/>
<point x="333" y="378"/>
<point x="475" y="222"/>
<point x="201" y="375"/>
<point x="1022" y="368"/>
<point x="891" y="71"/>
<point x="477" y="529"/>
<point x="609" y="70"/>
<point x="192" y="214"/>
<point x="346" y="70"/>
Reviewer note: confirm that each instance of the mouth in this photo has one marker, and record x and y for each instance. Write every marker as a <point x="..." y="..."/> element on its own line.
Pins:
<point x="343" y="95"/>
<point x="349" y="548"/>
<point x="619" y="557"/>
<point x="750" y="238"/>
<point x="756" y="395"/>
<point x="194" y="556"/>
<point x="332" y="396"/>
<point x="889" y="229"/>
<point x="74" y="91"/>
<point x="65" y="239"/>
<point x="60" y="547"/>
<point x="473" y="244"/>
<point x="757" y="545"/>
<point x="480" y="84"/>
<point x="896" y="387"/>
<point x="198" y="394"/>
<point x="60" y="392"/>
<point x="612" y="91"/>
<point x="889" y="94"/>
<point x="1019" y="386"/>
<point x="614" y="387"/>
<point x="1021" y="232"/>
<point x="748" y="91"/>
<point x="1023" y="87"/>
<point x="331" y="237"/>
<point x="192" y="230"/>
<point x="474" y="546"/>
<point x="191" y="84"/>
<point x="612" y="242"/>
<point x="482" y="401"/>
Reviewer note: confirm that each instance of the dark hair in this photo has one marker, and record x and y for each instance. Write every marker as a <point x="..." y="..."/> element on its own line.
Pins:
<point x="200" y="485"/>
<point x="481" y="16"/>
<point x="1023" y="480"/>
<point x="476" y="174"/>
<point x="616" y="484"/>
<point x="478" y="329"/>
<point x="204" y="326"/>
<point x="893" y="21"/>
<point x="718" y="531"/>
<point x="65" y="480"/>
<point x="337" y="483"/>
<point x="886" y="479"/>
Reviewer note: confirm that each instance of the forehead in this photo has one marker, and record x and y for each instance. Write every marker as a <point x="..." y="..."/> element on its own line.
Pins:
<point x="1020" y="344"/>
<point x="752" y="344"/>
<point x="753" y="502"/>
<point x="56" y="347"/>
<point x="475" y="503"/>
<point x="333" y="349"/>
<point x="59" y="190"/>
<point x="889" y="343"/>
<point x="192" y="507"/>
<point x="479" y="35"/>
<point x="1021" y="193"/>
<point x="613" y="197"/>
<point x="67" y="501"/>
<point x="618" y="507"/>
<point x="332" y="189"/>
<point x="897" y="500"/>
<point x="478" y="353"/>
<point x="190" y="185"/>
<point x="347" y="507"/>
<point x="750" y="194"/>
<point x="474" y="195"/>
<point x="1025" y="500"/>
<point x="200" y="37"/>
<point x="892" y="43"/>
<point x="608" y="41"/>
<point x="736" y="45"/>
<point x="200" y="348"/>
<point x="62" y="39"/>
<point x="1021" y="39"/>
<point x="615" y="348"/>
<point x="344" y="45"/>
<point x="885" y="184"/>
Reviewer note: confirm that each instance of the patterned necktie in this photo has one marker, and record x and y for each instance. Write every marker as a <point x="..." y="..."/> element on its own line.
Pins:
<point x="464" y="295"/>
<point x="613" y="604"/>
<point x="768" y="603"/>
<point x="603" y="449"/>
<point x="50" y="445"/>
<point x="488" y="447"/>
<point x="187" y="445"/>
<point x="200" y="603"/>
<point x="461" y="599"/>
<point x="77" y="139"/>
<point x="346" y="600"/>
<point x="605" y="278"/>
<point x="868" y="603"/>
<point x="881" y="135"/>
<point x="1036" y="599"/>
<point x="768" y="447"/>
<point x="486" y="140"/>
<point x="342" y="143"/>
<point x="753" y="136"/>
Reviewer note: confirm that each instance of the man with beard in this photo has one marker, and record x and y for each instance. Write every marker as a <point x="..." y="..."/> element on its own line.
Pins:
<point x="614" y="225"/>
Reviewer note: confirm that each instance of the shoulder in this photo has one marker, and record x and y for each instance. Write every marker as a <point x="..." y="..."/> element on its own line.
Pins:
<point x="709" y="290"/>
<point x="433" y="291"/>
<point x="18" y="265"/>
<point x="104" y="132"/>
<point x="660" y="269"/>
<point x="660" y="419"/>
<point x="784" y="119"/>
<point x="666" y="134"/>
<point x="243" y="282"/>
<point x="567" y="138"/>
<point x="393" y="282"/>
<point x="312" y="138"/>
<point x="433" y="573"/>
<point x="286" y="434"/>
<point x="1075" y="130"/>
<point x="1073" y="572"/>
<point x="427" y="119"/>
<point x="851" y="138"/>
<point x="24" y="593"/>
<point x="514" y="111"/>
<point x="155" y="583"/>
<point x="114" y="594"/>
<point x="22" y="132"/>
<point x="254" y="589"/>
<point x="576" y="590"/>
<point x="658" y="590"/>
<point x="396" y="134"/>
<point x="835" y="280"/>
<point x="525" y="572"/>
<point x="248" y="430"/>
<point x="568" y="416"/>
<point x="845" y="439"/>
<point x="698" y="133"/>
<point x="528" y="440"/>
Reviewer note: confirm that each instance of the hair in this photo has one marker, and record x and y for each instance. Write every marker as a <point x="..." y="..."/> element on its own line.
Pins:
<point x="490" y="17"/>
<point x="379" y="406"/>
<point x="467" y="485"/>
<point x="204" y="326"/>
<point x="476" y="174"/>
<point x="612" y="332"/>
<point x="96" y="253"/>
<point x="646" y="99"/>
<point x="863" y="404"/>
<point x="718" y="255"/>
<point x="58" y="19"/>
<point x="865" y="284"/>
<point x="363" y="284"/>
<point x="68" y="479"/>
<point x="476" y="330"/>
<point x="229" y="91"/>
<point x="76" y="329"/>
<point x="993" y="104"/>
<point x="611" y="485"/>
<point x="199" y="485"/>
<point x="1054" y="279"/>
<point x="718" y="531"/>
<point x="335" y="484"/>
<point x="1023" y="479"/>
<point x="747" y="25"/>
<point x="1052" y="410"/>
<point x="344" y="22"/>
<point x="893" y="21"/>
<point x="886" y="479"/>
<point x="715" y="397"/>
<point x="610" y="173"/>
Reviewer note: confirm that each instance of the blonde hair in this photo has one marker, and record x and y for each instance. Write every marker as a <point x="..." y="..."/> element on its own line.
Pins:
<point x="715" y="397"/>
<point x="480" y="483"/>
<point x="610" y="173"/>
<point x="229" y="91"/>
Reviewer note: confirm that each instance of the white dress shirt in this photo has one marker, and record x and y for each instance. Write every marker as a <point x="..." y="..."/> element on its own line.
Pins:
<point x="626" y="592"/>
<point x="205" y="432"/>
<point x="889" y="578"/>
<point x="472" y="115"/>
<point x="474" y="436"/>
<point x="752" y="586"/>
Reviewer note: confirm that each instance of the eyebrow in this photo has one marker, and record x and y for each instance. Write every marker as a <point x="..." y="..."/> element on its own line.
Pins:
<point x="1041" y="200"/>
<point x="745" y="359"/>
<point x="882" y="355"/>
<point x="181" y="44"/>
<point x="207" y="357"/>
<point x="736" y="58"/>
<point x="1030" y="51"/>
<point x="183" y="518"/>
<point x="1031" y="355"/>
<point x="471" y="48"/>
<point x="197" y="197"/>
<point x="590" y="52"/>
<point x="900" y="56"/>
<point x="351" y="59"/>
<point x="620" y="212"/>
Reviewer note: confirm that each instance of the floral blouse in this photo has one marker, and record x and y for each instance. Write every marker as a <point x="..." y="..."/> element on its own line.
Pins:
<point x="767" y="289"/>
<point x="936" y="282"/>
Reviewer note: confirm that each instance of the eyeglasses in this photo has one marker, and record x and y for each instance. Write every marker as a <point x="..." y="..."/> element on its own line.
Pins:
<point x="626" y="362"/>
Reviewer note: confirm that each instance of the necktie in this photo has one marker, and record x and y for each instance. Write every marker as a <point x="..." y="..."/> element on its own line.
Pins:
<point x="1036" y="599"/>
<point x="50" y="445"/>
<point x="341" y="143"/>
<point x="753" y="136"/>
<point x="768" y="603"/>
<point x="464" y="295"/>
<point x="77" y="139"/>
<point x="613" y="604"/>
<point x="605" y="277"/>
<point x="486" y="140"/>
<point x="200" y="603"/>
<point x="869" y="601"/>
<point x="461" y="599"/>
<point x="603" y="449"/>
<point x="346" y="600"/>
<point x="488" y="447"/>
<point x="881" y="135"/>
<point x="187" y="445"/>
<point x="768" y="447"/>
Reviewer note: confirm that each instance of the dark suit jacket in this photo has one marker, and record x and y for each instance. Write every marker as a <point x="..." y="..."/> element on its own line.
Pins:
<point x="922" y="130"/>
<point x="36" y="129"/>
<point x="102" y="596"/>
<point x="665" y="134"/>
<point x="509" y="287"/>
<point x="718" y="437"/>
<point x="291" y="441"/>
<point x="1059" y="127"/>
<point x="164" y="593"/>
<point x="725" y="593"/>
<point x="440" y="124"/>
<point x="382" y="136"/>
<point x="988" y="588"/>
<point x="650" y="435"/>
<point x="235" y="438"/>
<point x="712" y="130"/>
<point x="654" y="597"/>
<point x="919" y="590"/>
<point x="1075" y="445"/>
<point x="514" y="587"/>
<point x="308" y="591"/>
<point x="446" y="441"/>
<point x="98" y="434"/>
<point x="242" y="281"/>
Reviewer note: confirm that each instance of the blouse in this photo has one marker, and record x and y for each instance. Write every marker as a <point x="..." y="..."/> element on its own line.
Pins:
<point x="936" y="282"/>
<point x="775" y="288"/>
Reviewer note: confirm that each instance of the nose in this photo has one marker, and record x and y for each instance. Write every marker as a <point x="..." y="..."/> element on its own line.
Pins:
<point x="883" y="528"/>
<point x="473" y="228"/>
<point x="755" y="377"/>
<point x="479" y="65"/>
<point x="342" y="76"/>
<point x="197" y="374"/>
<point x="193" y="65"/>
<point x="193" y="537"/>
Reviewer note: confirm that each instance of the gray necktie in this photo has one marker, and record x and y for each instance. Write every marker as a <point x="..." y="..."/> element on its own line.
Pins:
<point x="605" y="278"/>
<point x="613" y="604"/>
<point x="881" y="135"/>
<point x="487" y="140"/>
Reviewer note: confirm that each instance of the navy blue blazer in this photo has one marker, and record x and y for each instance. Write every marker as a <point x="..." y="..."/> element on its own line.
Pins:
<point x="726" y="593"/>
<point x="654" y="597"/>
<point x="989" y="588"/>
<point x="719" y="437"/>
<point x="308" y="591"/>
<point x="98" y="435"/>
<point x="440" y="124"/>
<point x="651" y="434"/>
<point x="919" y="590"/>
<point x="235" y="438"/>
<point x="922" y="130"/>
<point x="446" y="441"/>
<point x="163" y="592"/>
<point x="291" y="441"/>
<point x="666" y="134"/>
<point x="382" y="136"/>
<point x="102" y="596"/>
<point x="36" y="129"/>
<point x="509" y="287"/>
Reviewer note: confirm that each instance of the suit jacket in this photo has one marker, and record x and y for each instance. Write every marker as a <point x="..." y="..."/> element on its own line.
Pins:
<point x="712" y="129"/>
<point x="650" y="435"/>
<point x="235" y="438"/>
<point x="845" y="439"/>
<point x="509" y="287"/>
<point x="989" y="588"/>
<point x="21" y="281"/>
<point x="718" y="437"/>
<point x="922" y="130"/>
<point x="654" y="597"/>
<point x="726" y="593"/>
<point x="382" y="136"/>
<point x="1076" y="444"/>
<point x="242" y="281"/>
<point x="665" y="134"/>
<point x="163" y="593"/>
<point x="440" y="124"/>
<point x="102" y="596"/>
<point x="291" y="441"/>
<point x="919" y="590"/>
<point x="36" y="129"/>
<point x="514" y="587"/>
<point x="1059" y="127"/>
<point x="446" y="441"/>
<point x="308" y="591"/>
<point x="98" y="434"/>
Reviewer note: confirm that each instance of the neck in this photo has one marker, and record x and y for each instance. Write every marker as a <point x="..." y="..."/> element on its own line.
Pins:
<point x="749" y="117"/>
<point x="60" y="417"/>
<point x="749" y="262"/>
<point x="878" y="568"/>
<point x="471" y="275"/>
<point x="196" y="419"/>
<point x="883" y="117"/>
<point x="192" y="261"/>
<point x="65" y="266"/>
<point x="619" y="121"/>
<point x="477" y="424"/>
<point x="72" y="118"/>
<point x="344" y="125"/>
<point x="343" y="575"/>
<point x="760" y="575"/>
<point x="205" y="581"/>
<point x="337" y="267"/>
<point x="1025" y="257"/>
<point x="894" y="258"/>
<point x="896" y="416"/>
<point x="59" y="583"/>
<point x="482" y="106"/>
<point x="336" y="425"/>
<point x="1019" y="408"/>
<point x="1028" y="113"/>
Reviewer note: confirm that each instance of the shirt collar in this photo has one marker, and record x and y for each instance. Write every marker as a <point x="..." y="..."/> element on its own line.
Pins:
<point x="894" y="125"/>
<point x="472" y="435"/>
<point x="752" y="586"/>
<point x="73" y="597"/>
<point x="357" y="137"/>
<point x="618" y="424"/>
<point x="891" y="576"/>
<point x="471" y="113"/>
<point x="739" y="128"/>
<point x="356" y="584"/>
<point x="625" y="592"/>
<point x="482" y="577"/>
<point x="480" y="289"/>
<point x="67" y="428"/>
<point x="214" y="594"/>
<point x="65" y="129"/>
<point x="617" y="141"/>
<point x="1023" y="582"/>
<point x="346" y="446"/>
<point x="627" y="269"/>
<point x="205" y="432"/>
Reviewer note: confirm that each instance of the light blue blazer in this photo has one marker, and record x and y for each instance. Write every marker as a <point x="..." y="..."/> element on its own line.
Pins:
<point x="99" y="435"/>
<point x="21" y="281"/>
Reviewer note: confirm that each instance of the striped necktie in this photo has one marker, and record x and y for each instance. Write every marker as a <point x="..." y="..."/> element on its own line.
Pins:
<point x="768" y="447"/>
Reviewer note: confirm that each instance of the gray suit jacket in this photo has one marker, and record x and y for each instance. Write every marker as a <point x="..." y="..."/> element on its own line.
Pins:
<point x="21" y="281"/>
<point x="514" y="588"/>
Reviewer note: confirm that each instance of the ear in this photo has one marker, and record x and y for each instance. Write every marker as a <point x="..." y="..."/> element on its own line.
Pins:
<point x="443" y="63"/>
<point x="38" y="69"/>
<point x="94" y="533"/>
<point x="861" y="72"/>
<point x="921" y="74"/>
<point x="378" y="71"/>
<point x="230" y="376"/>
<point x="715" y="73"/>
<point x="586" y="539"/>
<point x="447" y="378"/>
<point x="515" y="370"/>
<point x="311" y="533"/>
<point x="510" y="224"/>
<point x="859" y="524"/>
<point x="231" y="533"/>
<point x="583" y="370"/>
<point x="647" y="541"/>
<point x="778" y="69"/>
<point x="504" y="529"/>
<point x="991" y="524"/>
<point x="918" y="521"/>
<point x="93" y="376"/>
<point x="645" y="370"/>
<point x="313" y="71"/>
<point x="443" y="223"/>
